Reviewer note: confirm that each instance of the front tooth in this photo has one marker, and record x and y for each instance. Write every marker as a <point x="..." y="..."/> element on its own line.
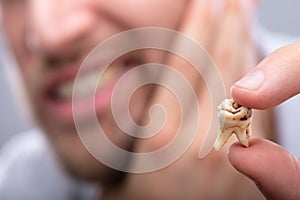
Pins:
<point x="65" y="90"/>
<point x="87" y="83"/>
<point x="108" y="75"/>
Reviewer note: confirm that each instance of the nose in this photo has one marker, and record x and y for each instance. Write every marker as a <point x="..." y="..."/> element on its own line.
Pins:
<point x="57" y="27"/>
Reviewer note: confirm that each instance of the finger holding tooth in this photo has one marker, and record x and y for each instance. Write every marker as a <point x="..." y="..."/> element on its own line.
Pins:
<point x="233" y="119"/>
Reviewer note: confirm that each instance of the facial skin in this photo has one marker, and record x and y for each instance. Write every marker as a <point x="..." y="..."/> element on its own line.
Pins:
<point x="51" y="38"/>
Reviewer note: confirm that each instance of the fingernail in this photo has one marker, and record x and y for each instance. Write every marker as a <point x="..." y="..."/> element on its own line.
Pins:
<point x="251" y="81"/>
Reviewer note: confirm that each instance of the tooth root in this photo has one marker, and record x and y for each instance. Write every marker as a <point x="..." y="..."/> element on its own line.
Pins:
<point x="223" y="137"/>
<point x="248" y="132"/>
<point x="242" y="137"/>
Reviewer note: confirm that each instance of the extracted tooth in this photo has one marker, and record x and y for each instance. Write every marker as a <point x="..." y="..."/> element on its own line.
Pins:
<point x="222" y="139"/>
<point x="233" y="118"/>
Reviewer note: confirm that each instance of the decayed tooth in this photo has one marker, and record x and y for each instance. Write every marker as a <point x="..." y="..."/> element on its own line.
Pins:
<point x="233" y="118"/>
<point x="108" y="75"/>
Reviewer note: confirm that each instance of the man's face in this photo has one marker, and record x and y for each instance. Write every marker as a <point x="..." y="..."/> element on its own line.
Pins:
<point x="50" y="39"/>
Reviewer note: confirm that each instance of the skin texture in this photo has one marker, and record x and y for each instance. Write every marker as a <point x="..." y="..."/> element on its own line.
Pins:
<point x="275" y="171"/>
<point x="278" y="172"/>
<point x="50" y="38"/>
<point x="275" y="80"/>
<point x="59" y="45"/>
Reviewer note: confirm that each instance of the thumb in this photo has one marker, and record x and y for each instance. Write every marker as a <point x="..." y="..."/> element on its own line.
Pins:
<point x="272" y="81"/>
<point x="275" y="171"/>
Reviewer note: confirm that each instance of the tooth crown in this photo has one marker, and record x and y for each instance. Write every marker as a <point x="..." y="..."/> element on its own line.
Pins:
<point x="233" y="119"/>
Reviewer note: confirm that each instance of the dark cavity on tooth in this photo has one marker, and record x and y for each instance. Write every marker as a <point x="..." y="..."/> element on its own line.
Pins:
<point x="236" y="105"/>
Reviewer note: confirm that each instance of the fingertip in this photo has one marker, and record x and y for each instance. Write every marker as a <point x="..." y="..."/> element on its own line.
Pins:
<point x="238" y="154"/>
<point x="249" y="98"/>
<point x="240" y="95"/>
<point x="258" y="148"/>
<point x="237" y="95"/>
<point x="268" y="165"/>
<point x="272" y="81"/>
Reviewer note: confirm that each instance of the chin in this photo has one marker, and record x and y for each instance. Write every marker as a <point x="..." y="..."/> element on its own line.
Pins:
<point x="81" y="165"/>
<point x="74" y="156"/>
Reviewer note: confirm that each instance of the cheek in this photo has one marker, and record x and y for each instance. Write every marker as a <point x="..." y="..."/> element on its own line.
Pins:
<point x="155" y="13"/>
<point x="14" y="27"/>
<point x="13" y="22"/>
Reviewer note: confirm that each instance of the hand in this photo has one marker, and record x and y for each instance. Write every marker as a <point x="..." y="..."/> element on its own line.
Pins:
<point x="272" y="81"/>
<point x="224" y="29"/>
<point x="275" y="170"/>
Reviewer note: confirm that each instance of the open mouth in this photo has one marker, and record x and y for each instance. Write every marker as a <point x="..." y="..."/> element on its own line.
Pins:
<point x="87" y="83"/>
<point x="60" y="92"/>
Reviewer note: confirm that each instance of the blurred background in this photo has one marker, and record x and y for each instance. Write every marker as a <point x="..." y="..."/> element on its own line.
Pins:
<point x="275" y="15"/>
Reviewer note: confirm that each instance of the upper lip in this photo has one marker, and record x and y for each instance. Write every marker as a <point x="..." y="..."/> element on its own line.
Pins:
<point x="58" y="77"/>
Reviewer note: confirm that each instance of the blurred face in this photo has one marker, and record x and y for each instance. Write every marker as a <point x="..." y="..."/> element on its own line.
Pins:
<point x="51" y="38"/>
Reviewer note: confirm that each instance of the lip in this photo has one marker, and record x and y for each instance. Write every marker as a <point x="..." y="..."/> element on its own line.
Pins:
<point x="63" y="109"/>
